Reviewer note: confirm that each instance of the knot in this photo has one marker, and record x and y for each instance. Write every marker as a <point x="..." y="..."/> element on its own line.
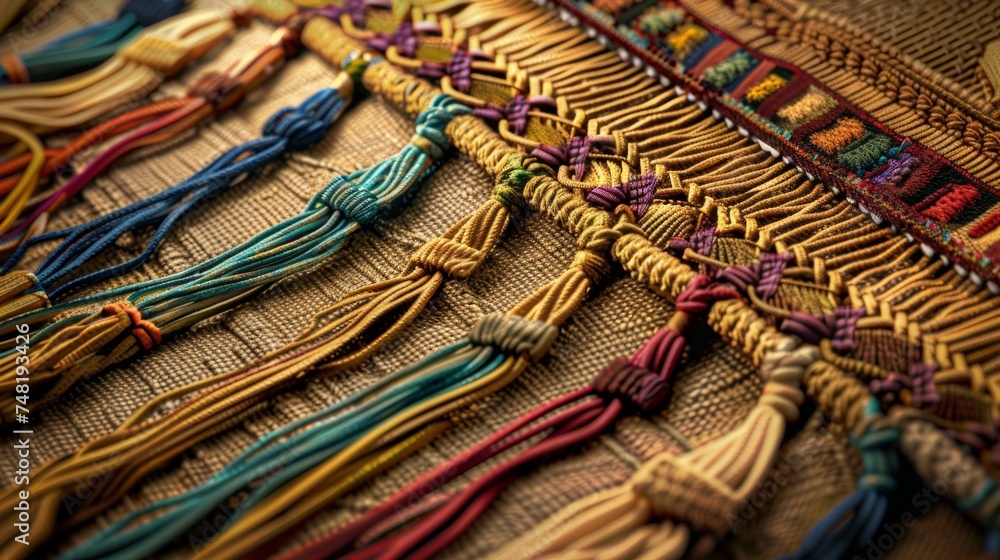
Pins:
<point x="306" y="124"/>
<point x="403" y="39"/>
<point x="514" y="335"/>
<point x="764" y="275"/>
<point x="574" y="153"/>
<point x="430" y="136"/>
<point x="844" y="327"/>
<point x="213" y="87"/>
<point x="701" y="293"/>
<point x="876" y="440"/>
<point x="145" y="332"/>
<point x="771" y="267"/>
<point x="924" y="391"/>
<point x="809" y="328"/>
<point x="637" y="386"/>
<point x="919" y="380"/>
<point x="593" y="246"/>
<point x="354" y="202"/>
<point x="676" y="490"/>
<point x="514" y="111"/>
<point x="459" y="68"/>
<point x="782" y="372"/>
<point x="451" y="257"/>
<point x="509" y="187"/>
<point x="354" y="9"/>
<point x="636" y="193"/>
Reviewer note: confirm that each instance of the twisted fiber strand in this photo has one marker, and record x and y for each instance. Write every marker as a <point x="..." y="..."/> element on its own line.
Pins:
<point x="561" y="216"/>
<point x="849" y="243"/>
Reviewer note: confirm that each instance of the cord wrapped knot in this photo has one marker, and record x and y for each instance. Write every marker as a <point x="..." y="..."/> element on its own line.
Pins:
<point x="573" y="154"/>
<point x="430" y="136"/>
<point x="635" y="385"/>
<point x="592" y="249"/>
<point x="354" y="9"/>
<point x="635" y="193"/>
<point x="675" y="490"/>
<point x="782" y="372"/>
<point x="514" y="111"/>
<point x="809" y="328"/>
<point x="700" y="294"/>
<point x="213" y="87"/>
<point x="403" y="39"/>
<point x="451" y="257"/>
<point x="459" y="68"/>
<point x="354" y="202"/>
<point x="514" y="335"/>
<point x="919" y="380"/>
<point x="146" y="333"/>
<point x="509" y="188"/>
<point x="764" y="275"/>
<point x="300" y="126"/>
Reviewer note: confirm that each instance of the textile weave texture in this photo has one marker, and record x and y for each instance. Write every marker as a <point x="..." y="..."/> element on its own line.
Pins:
<point x="816" y="468"/>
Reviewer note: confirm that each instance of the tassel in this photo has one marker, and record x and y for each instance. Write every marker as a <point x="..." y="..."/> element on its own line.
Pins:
<point x="336" y="342"/>
<point x="297" y="244"/>
<point x="154" y="55"/>
<point x="84" y="344"/>
<point x="86" y="48"/>
<point x="290" y="128"/>
<point x="347" y="433"/>
<point x="641" y="382"/>
<point x="854" y="521"/>
<point x="213" y="93"/>
<point x="698" y="491"/>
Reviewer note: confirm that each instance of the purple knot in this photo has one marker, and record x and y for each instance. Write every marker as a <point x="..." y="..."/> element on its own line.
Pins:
<point x="515" y="111"/>
<point x="845" y="323"/>
<point x="809" y="328"/>
<point x="636" y="193"/>
<point x="355" y="9"/>
<point x="574" y="153"/>
<point x="459" y="68"/>
<point x="607" y="197"/>
<point x="678" y="244"/>
<point x="894" y="383"/>
<point x="764" y="275"/>
<point x="924" y="391"/>
<point x="741" y="276"/>
<point x="701" y="241"/>
<point x="771" y="267"/>
<point x="635" y="385"/>
<point x="403" y="39"/>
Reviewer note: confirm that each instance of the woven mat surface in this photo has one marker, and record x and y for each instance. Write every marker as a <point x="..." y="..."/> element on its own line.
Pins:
<point x="717" y="387"/>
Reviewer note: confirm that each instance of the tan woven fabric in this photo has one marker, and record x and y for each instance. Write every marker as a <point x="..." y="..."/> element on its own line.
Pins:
<point x="716" y="389"/>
